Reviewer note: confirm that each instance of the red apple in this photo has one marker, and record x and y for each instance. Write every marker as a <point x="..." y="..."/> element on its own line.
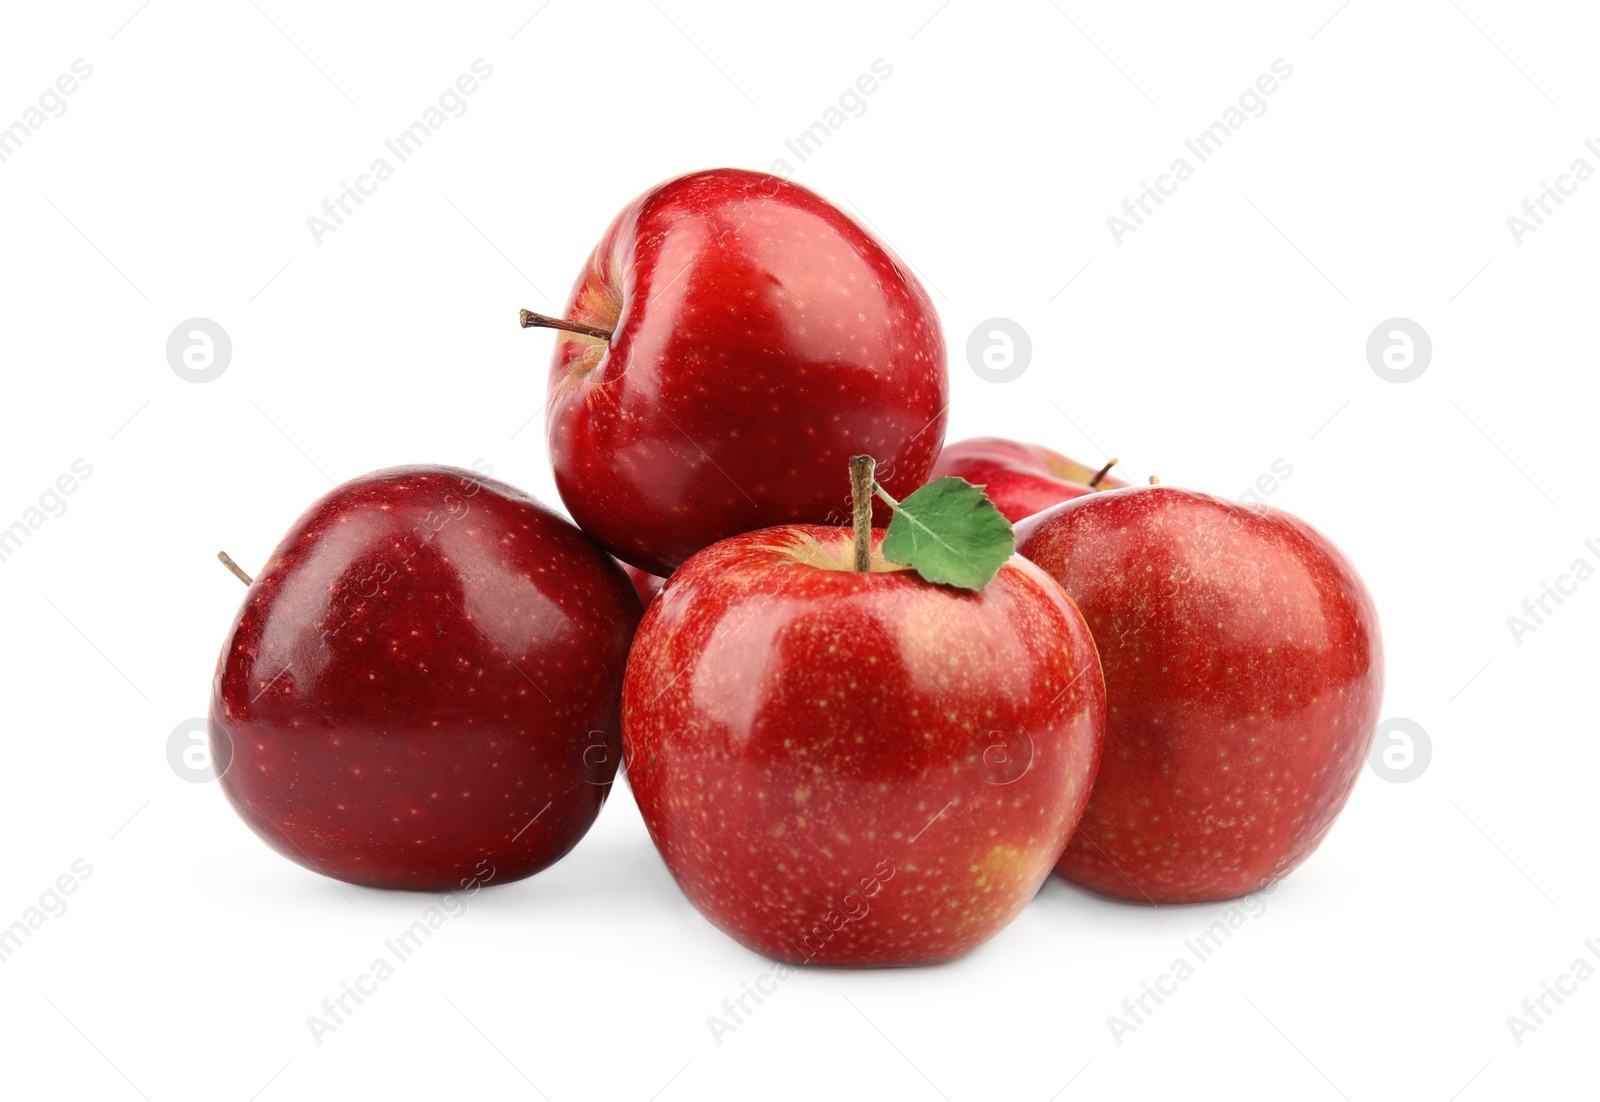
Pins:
<point x="646" y="584"/>
<point x="1021" y="479"/>
<point x="423" y="684"/>
<point x="745" y="338"/>
<point x="858" y="768"/>
<point x="1244" y="673"/>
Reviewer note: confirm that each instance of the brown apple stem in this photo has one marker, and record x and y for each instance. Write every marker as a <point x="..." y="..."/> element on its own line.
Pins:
<point x="1154" y="481"/>
<point x="1099" y="476"/>
<point x="222" y="557"/>
<point x="861" y="467"/>
<point x="530" y="320"/>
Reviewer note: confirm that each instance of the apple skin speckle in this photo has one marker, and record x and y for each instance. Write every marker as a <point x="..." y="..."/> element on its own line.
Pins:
<point x="858" y="769"/>
<point x="421" y="689"/>
<point x="1244" y="674"/>
<point x="746" y="311"/>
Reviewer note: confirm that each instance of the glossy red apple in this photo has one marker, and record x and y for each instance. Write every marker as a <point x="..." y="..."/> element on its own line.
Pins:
<point x="758" y="336"/>
<point x="1021" y="479"/>
<point x="422" y="686"/>
<point x="1244" y="673"/>
<point x="858" y="768"/>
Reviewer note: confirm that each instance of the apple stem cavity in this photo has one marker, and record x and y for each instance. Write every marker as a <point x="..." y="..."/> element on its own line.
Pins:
<point x="225" y="560"/>
<point x="861" y="487"/>
<point x="1099" y="476"/>
<point x="531" y="320"/>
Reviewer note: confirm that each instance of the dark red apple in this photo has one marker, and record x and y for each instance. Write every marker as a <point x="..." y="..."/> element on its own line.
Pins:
<point x="1244" y="673"/>
<point x="1021" y="479"/>
<point x="423" y="683"/>
<point x="745" y="338"/>
<point x="646" y="584"/>
<point x="858" y="768"/>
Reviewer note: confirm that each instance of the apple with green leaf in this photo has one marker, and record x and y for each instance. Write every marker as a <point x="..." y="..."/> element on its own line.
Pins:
<point x="862" y="747"/>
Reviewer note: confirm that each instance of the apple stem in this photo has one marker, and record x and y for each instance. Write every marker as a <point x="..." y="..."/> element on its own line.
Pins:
<point x="530" y="320"/>
<point x="1154" y="481"/>
<point x="861" y="484"/>
<point x="222" y="557"/>
<point x="1100" y="475"/>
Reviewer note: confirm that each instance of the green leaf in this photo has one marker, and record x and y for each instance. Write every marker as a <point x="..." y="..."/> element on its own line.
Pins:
<point x="950" y="533"/>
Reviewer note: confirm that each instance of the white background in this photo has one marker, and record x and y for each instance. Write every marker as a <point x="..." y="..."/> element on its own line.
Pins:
<point x="1227" y="332"/>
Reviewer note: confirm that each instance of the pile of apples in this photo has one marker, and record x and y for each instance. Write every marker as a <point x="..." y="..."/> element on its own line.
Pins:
<point x="852" y="744"/>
